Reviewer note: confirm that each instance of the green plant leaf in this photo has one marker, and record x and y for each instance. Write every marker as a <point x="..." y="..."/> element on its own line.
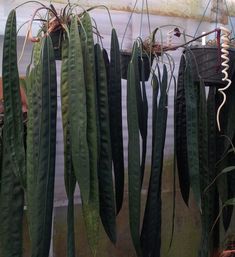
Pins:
<point x="91" y="210"/>
<point x="212" y="131"/>
<point x="134" y="172"/>
<point x="151" y="230"/>
<point x="191" y="93"/>
<point x="45" y="160"/>
<point x="13" y="119"/>
<point x="181" y="135"/>
<point x="207" y="200"/>
<point x="11" y="206"/>
<point x="78" y="113"/>
<point x="70" y="179"/>
<point x="144" y="122"/>
<point x="106" y="191"/>
<point x="115" y="114"/>
<point x="13" y="159"/>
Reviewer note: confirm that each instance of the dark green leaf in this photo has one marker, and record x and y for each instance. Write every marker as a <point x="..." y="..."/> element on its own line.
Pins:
<point x="134" y="172"/>
<point x="191" y="93"/>
<point x="91" y="210"/>
<point x="13" y="174"/>
<point x="13" y="119"/>
<point x="78" y="113"/>
<point x="115" y="112"/>
<point x="181" y="135"/>
<point x="106" y="191"/>
<point x="70" y="179"/>
<point x="45" y="172"/>
<point x="151" y="230"/>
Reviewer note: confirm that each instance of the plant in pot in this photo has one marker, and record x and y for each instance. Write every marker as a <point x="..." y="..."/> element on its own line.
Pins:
<point x="144" y="60"/>
<point x="206" y="113"/>
<point x="90" y="88"/>
<point x="149" y="47"/>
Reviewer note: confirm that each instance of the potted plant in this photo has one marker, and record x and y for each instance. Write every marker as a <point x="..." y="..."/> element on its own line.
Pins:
<point x="202" y="113"/>
<point x="86" y="76"/>
<point x="144" y="59"/>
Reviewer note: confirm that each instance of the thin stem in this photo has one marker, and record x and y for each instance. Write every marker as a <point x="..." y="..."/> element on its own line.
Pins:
<point x="147" y="9"/>
<point x="28" y="3"/>
<point x="195" y="39"/>
<point x="202" y="18"/>
<point x="26" y="22"/>
<point x="128" y="23"/>
<point x="230" y="20"/>
<point x="32" y="19"/>
<point x="106" y="8"/>
<point x="73" y="6"/>
<point x="141" y="18"/>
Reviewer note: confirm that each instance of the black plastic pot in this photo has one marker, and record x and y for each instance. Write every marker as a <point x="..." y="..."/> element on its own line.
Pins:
<point x="206" y="64"/>
<point x="125" y="59"/>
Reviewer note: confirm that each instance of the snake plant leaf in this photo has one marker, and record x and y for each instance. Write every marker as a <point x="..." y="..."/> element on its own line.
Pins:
<point x="13" y="120"/>
<point x="45" y="173"/>
<point x="78" y="113"/>
<point x="181" y="135"/>
<point x="115" y="112"/>
<point x="142" y="107"/>
<point x="144" y="121"/>
<point x="151" y="230"/>
<point x="70" y="179"/>
<point x="212" y="128"/>
<point x="1" y="153"/>
<point x="207" y="199"/>
<point x="11" y="206"/>
<point x="191" y="93"/>
<point x="64" y="89"/>
<point x="34" y="100"/>
<point x="134" y="172"/>
<point x="106" y="63"/>
<point x="106" y="190"/>
<point x="174" y="171"/>
<point x="91" y="210"/>
<point x="32" y="138"/>
<point x="13" y="159"/>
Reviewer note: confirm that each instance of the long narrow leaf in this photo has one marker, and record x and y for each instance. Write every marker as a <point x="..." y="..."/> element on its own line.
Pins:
<point x="207" y="200"/>
<point x="91" y="210"/>
<point x="134" y="172"/>
<point x="44" y="189"/>
<point x="13" y="119"/>
<point x="181" y="135"/>
<point x="106" y="191"/>
<point x="115" y="112"/>
<point x="13" y="162"/>
<point x="151" y="230"/>
<point x="191" y="92"/>
<point x="212" y="128"/>
<point x="78" y="113"/>
<point x="144" y="121"/>
<point x="70" y="179"/>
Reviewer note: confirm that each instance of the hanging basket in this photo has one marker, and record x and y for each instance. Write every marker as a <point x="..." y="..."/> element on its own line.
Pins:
<point x="206" y="64"/>
<point x="125" y="60"/>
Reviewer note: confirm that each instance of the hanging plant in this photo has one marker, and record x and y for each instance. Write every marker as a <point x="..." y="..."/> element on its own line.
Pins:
<point x="89" y="149"/>
<point x="199" y="120"/>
